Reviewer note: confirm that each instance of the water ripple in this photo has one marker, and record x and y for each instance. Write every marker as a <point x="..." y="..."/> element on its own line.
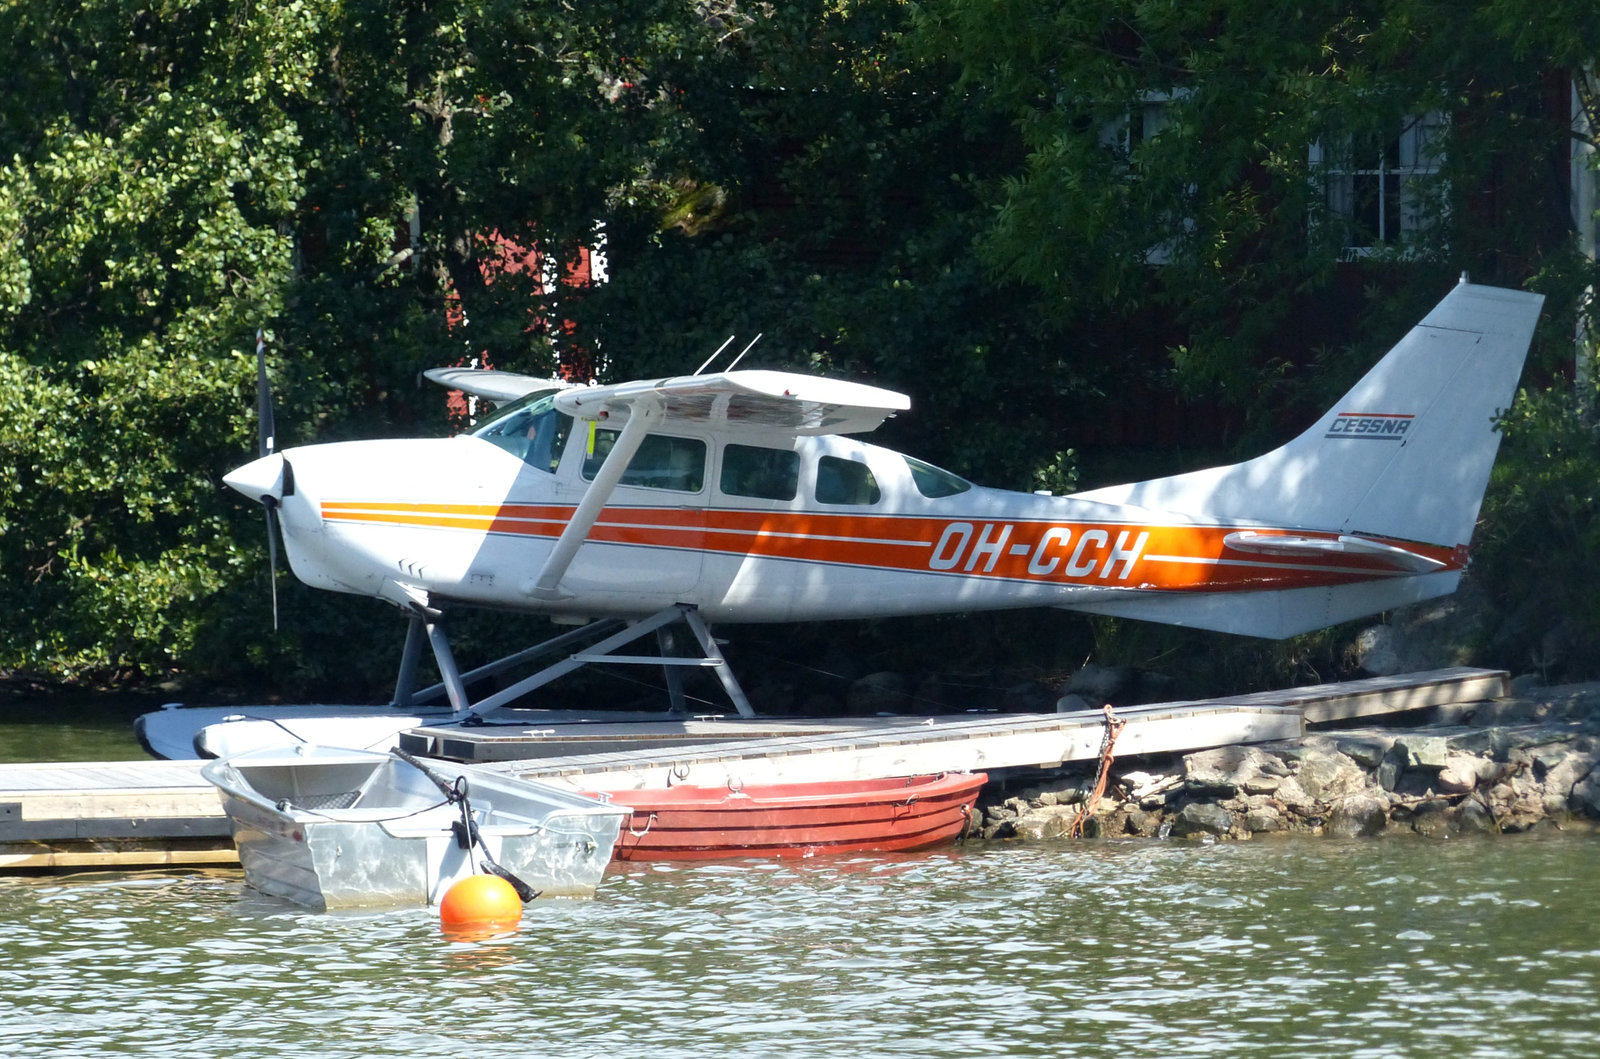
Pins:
<point x="1157" y="949"/>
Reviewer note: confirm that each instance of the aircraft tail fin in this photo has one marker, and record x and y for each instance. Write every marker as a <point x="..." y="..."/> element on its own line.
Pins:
<point x="1404" y="455"/>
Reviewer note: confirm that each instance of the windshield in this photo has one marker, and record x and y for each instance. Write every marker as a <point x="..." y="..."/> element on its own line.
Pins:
<point x="530" y="429"/>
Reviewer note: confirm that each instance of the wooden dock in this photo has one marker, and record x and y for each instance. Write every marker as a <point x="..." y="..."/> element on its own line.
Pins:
<point x="112" y="814"/>
<point x="74" y="816"/>
<point x="983" y="744"/>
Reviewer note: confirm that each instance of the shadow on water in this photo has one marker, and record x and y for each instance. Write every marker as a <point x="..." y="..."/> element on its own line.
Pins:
<point x="82" y="726"/>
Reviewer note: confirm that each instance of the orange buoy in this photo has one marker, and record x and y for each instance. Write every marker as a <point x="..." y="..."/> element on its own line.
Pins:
<point x="480" y="900"/>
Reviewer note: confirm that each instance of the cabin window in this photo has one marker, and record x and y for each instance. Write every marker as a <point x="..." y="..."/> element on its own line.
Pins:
<point x="662" y="462"/>
<point x="842" y="481"/>
<point x="934" y="482"/>
<point x="767" y="474"/>
<point x="530" y="429"/>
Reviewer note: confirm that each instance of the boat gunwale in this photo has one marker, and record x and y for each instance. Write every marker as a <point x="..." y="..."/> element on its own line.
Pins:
<point x="766" y="797"/>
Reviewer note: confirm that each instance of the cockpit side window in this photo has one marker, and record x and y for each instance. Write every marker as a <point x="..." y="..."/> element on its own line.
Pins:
<point x="662" y="462"/>
<point x="763" y="473"/>
<point x="530" y="429"/>
<point x="841" y="481"/>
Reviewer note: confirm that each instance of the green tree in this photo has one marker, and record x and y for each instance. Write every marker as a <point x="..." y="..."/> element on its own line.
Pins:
<point x="176" y="175"/>
<point x="143" y="197"/>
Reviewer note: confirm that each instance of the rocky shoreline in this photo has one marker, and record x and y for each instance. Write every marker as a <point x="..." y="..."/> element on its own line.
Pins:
<point x="1518" y="764"/>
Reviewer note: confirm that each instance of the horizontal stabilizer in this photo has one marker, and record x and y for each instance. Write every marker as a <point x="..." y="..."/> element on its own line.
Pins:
<point x="1295" y="546"/>
<point x="1275" y="614"/>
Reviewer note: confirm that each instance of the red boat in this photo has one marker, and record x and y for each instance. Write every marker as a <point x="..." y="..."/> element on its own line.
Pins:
<point x="797" y="819"/>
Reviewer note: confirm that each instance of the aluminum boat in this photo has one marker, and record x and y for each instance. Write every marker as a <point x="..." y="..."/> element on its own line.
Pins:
<point x="336" y="828"/>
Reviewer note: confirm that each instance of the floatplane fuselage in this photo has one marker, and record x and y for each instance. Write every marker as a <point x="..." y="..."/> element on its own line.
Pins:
<point x="744" y="496"/>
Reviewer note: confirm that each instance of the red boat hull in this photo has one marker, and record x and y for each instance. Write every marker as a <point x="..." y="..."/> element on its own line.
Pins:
<point x="796" y="819"/>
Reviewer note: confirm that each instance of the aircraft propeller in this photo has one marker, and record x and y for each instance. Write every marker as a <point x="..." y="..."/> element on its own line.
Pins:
<point x="267" y="443"/>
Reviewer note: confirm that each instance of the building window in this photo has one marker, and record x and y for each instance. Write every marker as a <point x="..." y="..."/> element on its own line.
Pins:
<point x="1153" y="116"/>
<point x="1381" y="189"/>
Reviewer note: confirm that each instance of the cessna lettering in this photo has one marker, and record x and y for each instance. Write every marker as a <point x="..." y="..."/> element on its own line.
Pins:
<point x="1379" y="427"/>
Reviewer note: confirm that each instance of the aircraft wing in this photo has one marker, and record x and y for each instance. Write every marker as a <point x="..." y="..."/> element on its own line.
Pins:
<point x="497" y="386"/>
<point x="752" y="401"/>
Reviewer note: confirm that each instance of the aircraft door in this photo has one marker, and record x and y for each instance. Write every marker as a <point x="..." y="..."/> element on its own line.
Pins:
<point x="652" y="530"/>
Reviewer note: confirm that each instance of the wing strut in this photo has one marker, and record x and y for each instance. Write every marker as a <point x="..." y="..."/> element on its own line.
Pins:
<point x="546" y="585"/>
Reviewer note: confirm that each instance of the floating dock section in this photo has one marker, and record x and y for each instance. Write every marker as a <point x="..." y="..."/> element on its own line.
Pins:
<point x="987" y="744"/>
<point x="113" y="814"/>
<point x="139" y="814"/>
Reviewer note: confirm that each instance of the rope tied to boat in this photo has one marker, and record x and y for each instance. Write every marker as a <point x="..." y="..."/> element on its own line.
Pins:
<point x="648" y="824"/>
<point x="1108" y="740"/>
<point x="466" y="829"/>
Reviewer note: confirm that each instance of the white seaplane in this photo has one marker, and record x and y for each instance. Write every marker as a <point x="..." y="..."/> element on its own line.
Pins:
<point x="743" y="496"/>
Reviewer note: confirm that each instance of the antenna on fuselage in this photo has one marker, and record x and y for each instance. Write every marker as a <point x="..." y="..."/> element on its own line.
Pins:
<point x="715" y="355"/>
<point x="746" y="349"/>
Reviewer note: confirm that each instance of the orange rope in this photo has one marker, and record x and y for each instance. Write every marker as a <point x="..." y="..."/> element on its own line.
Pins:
<point x="1114" y="728"/>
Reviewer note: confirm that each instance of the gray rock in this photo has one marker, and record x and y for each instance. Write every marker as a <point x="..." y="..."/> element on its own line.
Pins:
<point x="1099" y="684"/>
<point x="1378" y="651"/>
<point x="1463" y="772"/>
<point x="1368" y="753"/>
<point x="1434" y="634"/>
<point x="1391" y="769"/>
<point x="1585" y="797"/>
<point x="1226" y="769"/>
<point x="1049" y="822"/>
<point x="1357" y="816"/>
<point x="1073" y="703"/>
<point x="1511" y="711"/>
<point x="1293" y="797"/>
<point x="1424" y="751"/>
<point x="1561" y="776"/>
<point x="1260" y="784"/>
<point x="1326" y="775"/>
<point x="1203" y="818"/>
<point x="1433" y="818"/>
<point x="1263" y="820"/>
<point x="1474" y="817"/>
<point x="1495" y="742"/>
<point x="1143" y="824"/>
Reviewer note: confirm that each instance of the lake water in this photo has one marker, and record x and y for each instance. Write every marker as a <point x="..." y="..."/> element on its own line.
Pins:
<point x="99" y="728"/>
<point x="1301" y="947"/>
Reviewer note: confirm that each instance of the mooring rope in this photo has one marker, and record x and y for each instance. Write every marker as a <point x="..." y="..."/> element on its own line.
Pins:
<point x="1108" y="740"/>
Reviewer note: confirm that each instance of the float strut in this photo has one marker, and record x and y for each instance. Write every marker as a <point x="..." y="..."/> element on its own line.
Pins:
<point x="405" y="685"/>
<point x="730" y="683"/>
<point x="454" y="687"/>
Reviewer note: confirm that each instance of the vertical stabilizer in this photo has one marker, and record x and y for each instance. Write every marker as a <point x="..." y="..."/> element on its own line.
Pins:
<point x="1405" y="454"/>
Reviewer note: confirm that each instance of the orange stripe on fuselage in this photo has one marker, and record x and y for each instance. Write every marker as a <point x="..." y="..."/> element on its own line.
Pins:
<point x="1026" y="550"/>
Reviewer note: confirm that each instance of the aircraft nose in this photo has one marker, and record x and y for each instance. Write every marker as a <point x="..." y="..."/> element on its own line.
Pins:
<point x="260" y="479"/>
